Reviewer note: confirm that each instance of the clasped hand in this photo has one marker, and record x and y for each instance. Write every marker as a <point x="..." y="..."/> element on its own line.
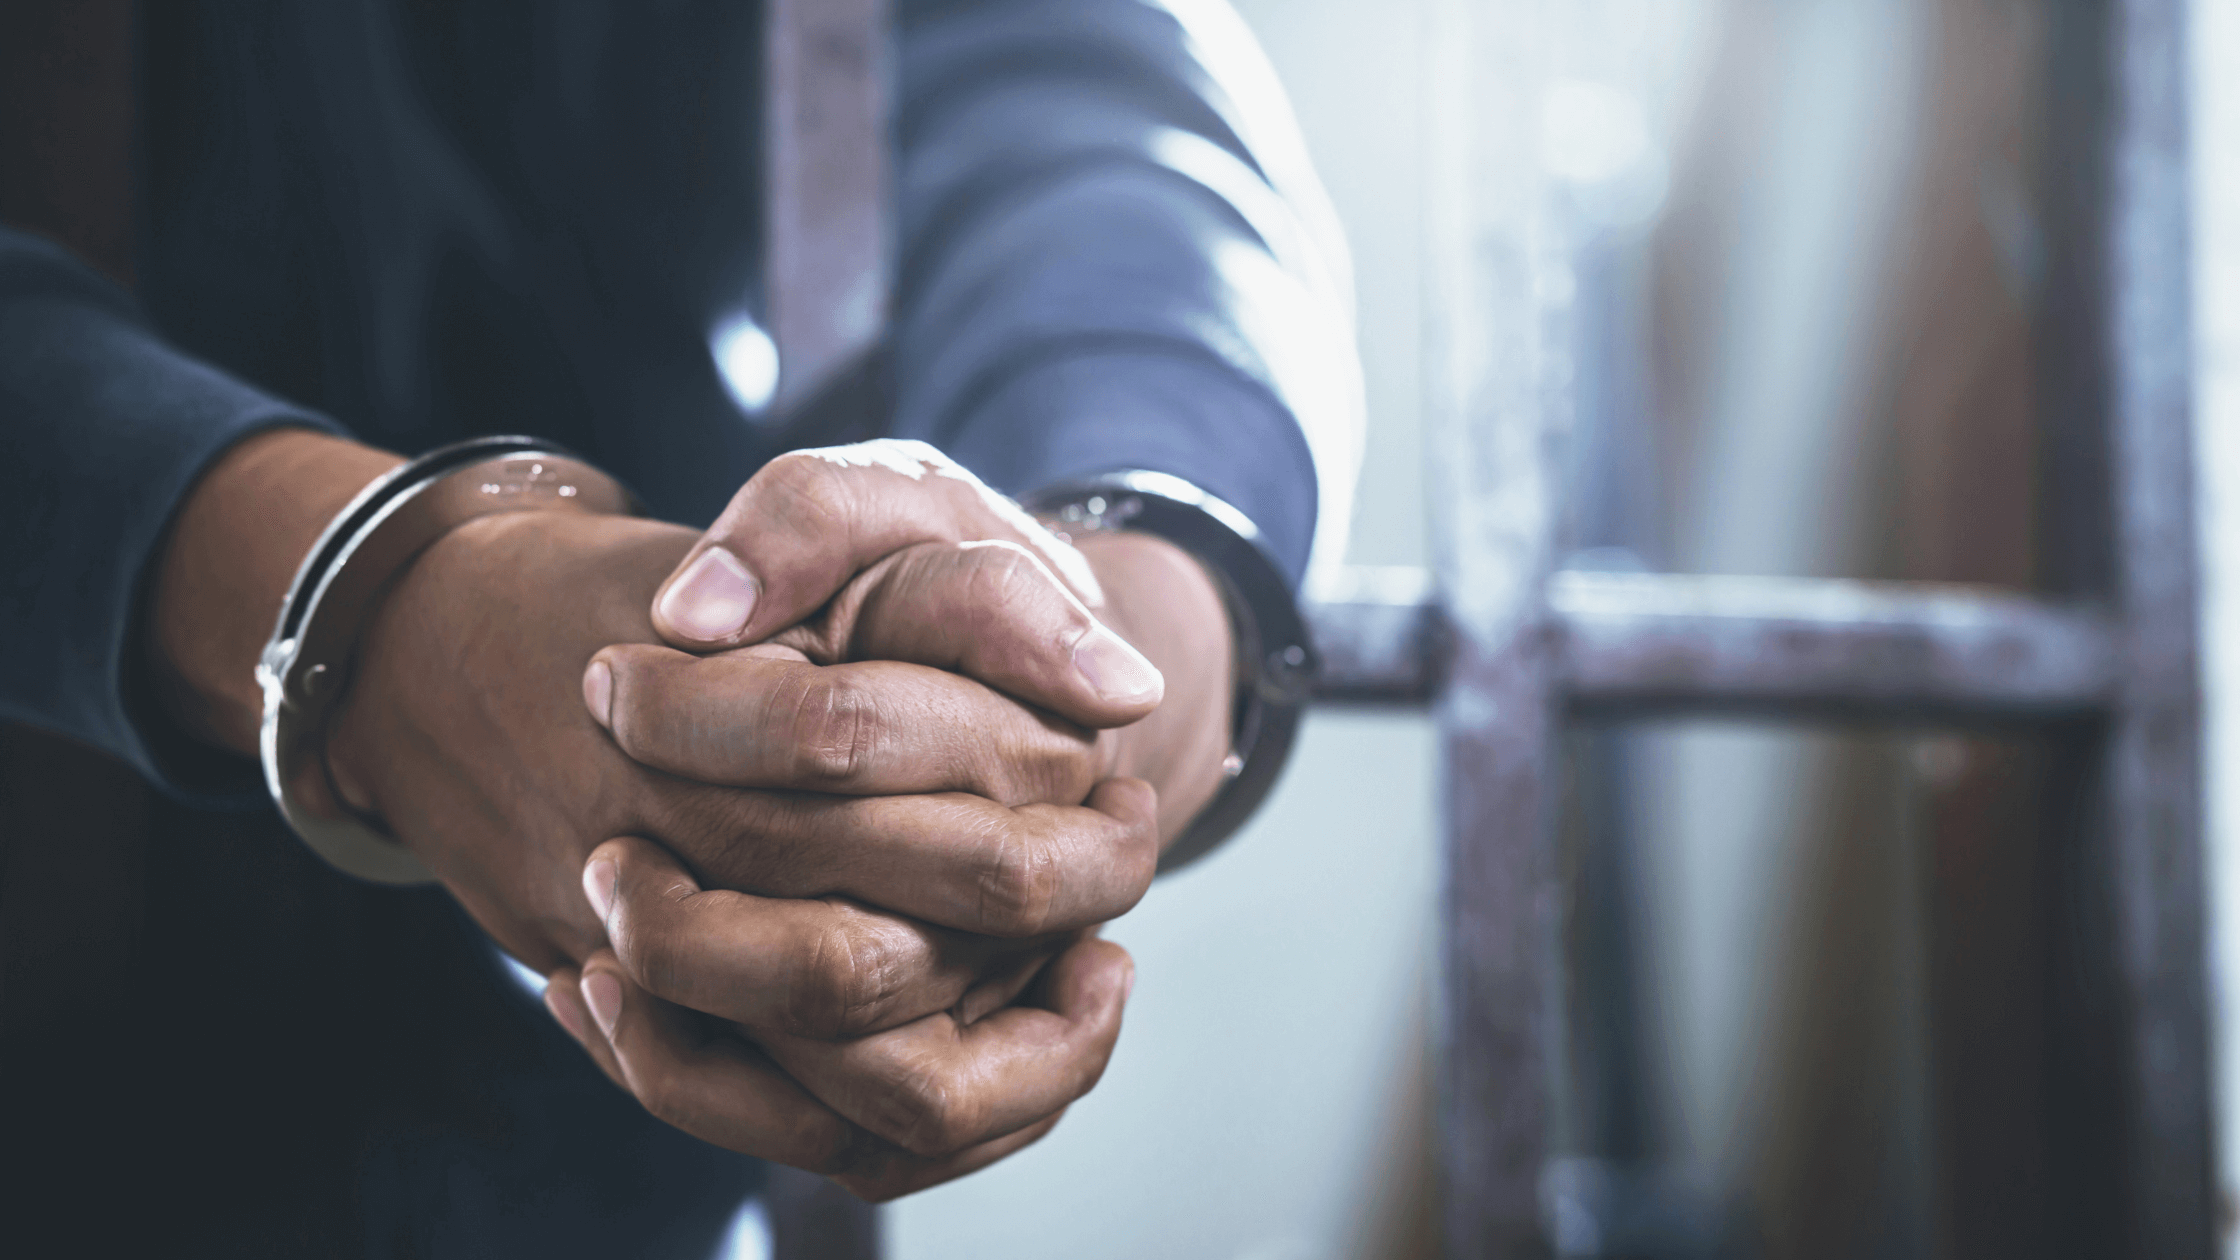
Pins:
<point x="812" y="834"/>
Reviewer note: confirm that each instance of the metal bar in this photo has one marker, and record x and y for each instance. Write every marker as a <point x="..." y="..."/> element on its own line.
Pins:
<point x="1379" y="634"/>
<point x="2153" y="749"/>
<point x="1831" y="649"/>
<point x="826" y="195"/>
<point x="2129" y="1149"/>
<point x="812" y="1218"/>
<point x="1637" y="643"/>
<point x="1498" y="326"/>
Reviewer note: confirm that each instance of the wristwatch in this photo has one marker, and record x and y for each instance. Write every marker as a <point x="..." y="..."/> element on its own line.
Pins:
<point x="1276" y="663"/>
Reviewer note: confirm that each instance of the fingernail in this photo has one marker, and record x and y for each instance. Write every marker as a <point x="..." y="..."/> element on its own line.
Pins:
<point x="598" y="887"/>
<point x="598" y="692"/>
<point x="712" y="599"/>
<point x="603" y="994"/>
<point x="1128" y="987"/>
<point x="565" y="1013"/>
<point x="1115" y="669"/>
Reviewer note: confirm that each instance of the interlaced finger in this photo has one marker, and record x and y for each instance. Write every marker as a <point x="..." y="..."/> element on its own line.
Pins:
<point x="811" y="520"/>
<point x="996" y="612"/>
<point x="955" y="860"/>
<point x="762" y="717"/>
<point x="726" y="1091"/>
<point x="826" y="968"/>
<point x="936" y="1085"/>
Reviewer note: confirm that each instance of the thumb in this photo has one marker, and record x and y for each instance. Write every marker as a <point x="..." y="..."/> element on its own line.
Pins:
<point x="811" y="520"/>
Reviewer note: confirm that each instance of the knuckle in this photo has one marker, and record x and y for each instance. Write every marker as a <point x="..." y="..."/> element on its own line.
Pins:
<point x="1012" y="596"/>
<point x="924" y="1111"/>
<point x="998" y="574"/>
<point x="1042" y="766"/>
<point x="1017" y="884"/>
<point x="1064" y="768"/>
<point x="805" y="487"/>
<point x="849" y="978"/>
<point x="829" y="728"/>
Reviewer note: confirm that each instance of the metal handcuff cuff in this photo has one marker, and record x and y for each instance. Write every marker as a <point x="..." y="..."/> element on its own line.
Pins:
<point x="1276" y="662"/>
<point x="306" y="664"/>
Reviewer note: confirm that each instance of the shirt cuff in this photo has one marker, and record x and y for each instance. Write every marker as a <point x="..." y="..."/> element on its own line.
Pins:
<point x="108" y="428"/>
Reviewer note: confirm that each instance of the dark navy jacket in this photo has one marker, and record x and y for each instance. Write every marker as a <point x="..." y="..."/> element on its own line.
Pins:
<point x="417" y="222"/>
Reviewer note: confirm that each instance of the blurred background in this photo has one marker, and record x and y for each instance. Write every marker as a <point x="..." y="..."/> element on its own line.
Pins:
<point x="1271" y="1095"/>
<point x="1806" y="1017"/>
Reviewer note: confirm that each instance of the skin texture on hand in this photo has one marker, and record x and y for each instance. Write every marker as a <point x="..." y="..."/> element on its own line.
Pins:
<point x="928" y="1100"/>
<point x="464" y="730"/>
<point x="1121" y="628"/>
<point x="469" y="728"/>
<point x="968" y="586"/>
<point x="729" y="1092"/>
<point x="809" y="521"/>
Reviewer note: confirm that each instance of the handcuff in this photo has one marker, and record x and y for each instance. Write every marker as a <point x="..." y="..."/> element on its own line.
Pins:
<point x="1275" y="659"/>
<point x="305" y="667"/>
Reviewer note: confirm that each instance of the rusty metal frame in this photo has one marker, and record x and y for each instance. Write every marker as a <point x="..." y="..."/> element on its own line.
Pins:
<point x="1507" y="649"/>
<point x="2105" y="663"/>
<point x="1627" y="644"/>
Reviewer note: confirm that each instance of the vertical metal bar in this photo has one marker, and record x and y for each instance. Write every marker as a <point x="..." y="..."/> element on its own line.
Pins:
<point x="2083" y="1110"/>
<point x="2131" y="1115"/>
<point x="811" y="1218"/>
<point x="826" y="190"/>
<point x="2153" y="751"/>
<point x="1498" y="403"/>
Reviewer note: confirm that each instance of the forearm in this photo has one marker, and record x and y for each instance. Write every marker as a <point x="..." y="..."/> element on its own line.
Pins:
<point x="107" y="430"/>
<point x="1162" y="601"/>
<point x="223" y="572"/>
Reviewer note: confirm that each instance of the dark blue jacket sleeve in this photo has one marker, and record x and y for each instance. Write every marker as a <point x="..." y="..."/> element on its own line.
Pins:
<point x="1113" y="255"/>
<point x="102" y="430"/>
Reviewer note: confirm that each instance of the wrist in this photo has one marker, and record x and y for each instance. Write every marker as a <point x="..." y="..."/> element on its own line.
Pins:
<point x="225" y="568"/>
<point x="1271" y="653"/>
<point x="343" y="585"/>
<point x="1160" y="599"/>
<point x="488" y="583"/>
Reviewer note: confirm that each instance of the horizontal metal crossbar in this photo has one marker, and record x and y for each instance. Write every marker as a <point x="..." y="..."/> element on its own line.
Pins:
<point x="1643" y="643"/>
<point x="1869" y="649"/>
<point x="1378" y="632"/>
